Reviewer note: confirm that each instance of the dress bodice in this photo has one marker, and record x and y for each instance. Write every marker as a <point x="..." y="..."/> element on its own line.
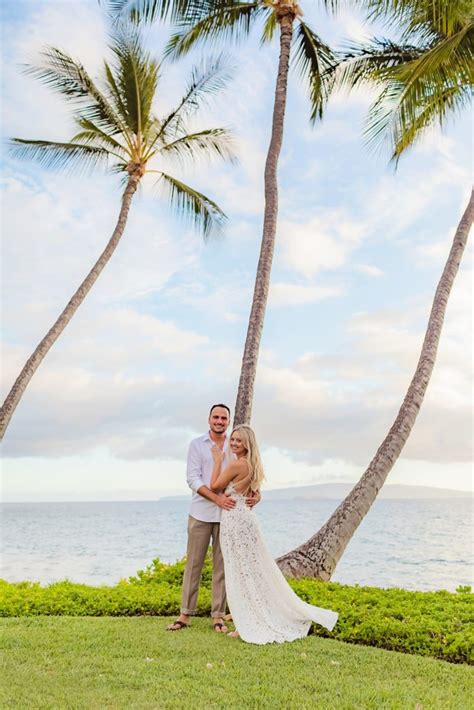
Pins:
<point x="230" y="489"/>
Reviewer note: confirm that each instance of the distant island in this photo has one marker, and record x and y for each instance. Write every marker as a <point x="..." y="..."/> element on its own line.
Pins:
<point x="318" y="491"/>
<point x="337" y="491"/>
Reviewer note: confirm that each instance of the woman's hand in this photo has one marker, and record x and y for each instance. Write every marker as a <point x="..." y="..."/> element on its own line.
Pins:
<point x="217" y="454"/>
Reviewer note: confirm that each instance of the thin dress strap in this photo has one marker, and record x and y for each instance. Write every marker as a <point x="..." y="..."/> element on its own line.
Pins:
<point x="247" y="490"/>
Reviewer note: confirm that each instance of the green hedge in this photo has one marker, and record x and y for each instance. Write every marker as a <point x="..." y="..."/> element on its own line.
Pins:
<point x="438" y="624"/>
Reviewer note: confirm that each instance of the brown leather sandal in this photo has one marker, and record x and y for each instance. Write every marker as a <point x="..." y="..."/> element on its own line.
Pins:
<point x="179" y="624"/>
<point x="220" y="626"/>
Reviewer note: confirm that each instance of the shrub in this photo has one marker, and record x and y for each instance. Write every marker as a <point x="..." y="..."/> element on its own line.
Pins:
<point x="438" y="624"/>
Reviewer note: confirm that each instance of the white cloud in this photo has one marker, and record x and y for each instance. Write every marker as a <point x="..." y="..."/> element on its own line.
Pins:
<point x="326" y="241"/>
<point x="52" y="245"/>
<point x="156" y="336"/>
<point x="288" y="294"/>
<point x="369" y="269"/>
<point x="354" y="27"/>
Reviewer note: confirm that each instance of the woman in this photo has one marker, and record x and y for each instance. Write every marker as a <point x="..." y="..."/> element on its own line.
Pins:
<point x="264" y="608"/>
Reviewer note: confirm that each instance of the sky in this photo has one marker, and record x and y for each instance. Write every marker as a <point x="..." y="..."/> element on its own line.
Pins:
<point x="359" y="250"/>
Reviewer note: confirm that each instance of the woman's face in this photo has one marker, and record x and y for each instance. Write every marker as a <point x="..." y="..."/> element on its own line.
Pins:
<point x="236" y="445"/>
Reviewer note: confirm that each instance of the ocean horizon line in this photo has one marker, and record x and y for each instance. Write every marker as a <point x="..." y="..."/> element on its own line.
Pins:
<point x="404" y="490"/>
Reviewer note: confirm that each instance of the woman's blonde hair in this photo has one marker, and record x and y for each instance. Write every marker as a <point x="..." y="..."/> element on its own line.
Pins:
<point x="252" y="456"/>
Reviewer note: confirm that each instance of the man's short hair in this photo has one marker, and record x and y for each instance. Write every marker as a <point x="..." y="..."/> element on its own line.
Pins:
<point x="219" y="405"/>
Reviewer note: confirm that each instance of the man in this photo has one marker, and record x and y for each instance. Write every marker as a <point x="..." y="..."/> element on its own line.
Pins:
<point x="204" y="520"/>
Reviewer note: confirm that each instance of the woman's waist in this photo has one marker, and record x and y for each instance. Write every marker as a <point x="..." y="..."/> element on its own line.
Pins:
<point x="240" y="501"/>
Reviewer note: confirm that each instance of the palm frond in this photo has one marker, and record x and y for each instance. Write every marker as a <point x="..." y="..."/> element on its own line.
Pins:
<point x="198" y="209"/>
<point x="211" y="142"/>
<point x="453" y="56"/>
<point x="269" y="28"/>
<point x="225" y="21"/>
<point x="403" y="111"/>
<point x="443" y="17"/>
<point x="436" y="109"/>
<point x="114" y="91"/>
<point x="206" y="80"/>
<point x="420" y="85"/>
<point x="120" y="167"/>
<point x="59" y="156"/>
<point x="315" y="62"/>
<point x="136" y="79"/>
<point x="368" y="63"/>
<point x="67" y="76"/>
<point x="102" y="138"/>
<point x="96" y="139"/>
<point x="148" y="11"/>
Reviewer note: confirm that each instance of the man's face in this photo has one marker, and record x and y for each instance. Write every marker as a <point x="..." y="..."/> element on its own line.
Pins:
<point x="219" y="420"/>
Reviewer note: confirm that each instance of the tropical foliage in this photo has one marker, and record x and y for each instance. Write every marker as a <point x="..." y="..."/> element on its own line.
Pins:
<point x="424" y="79"/>
<point x="433" y="624"/>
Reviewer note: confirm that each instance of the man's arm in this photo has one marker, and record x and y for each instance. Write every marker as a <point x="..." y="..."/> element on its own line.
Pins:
<point x="253" y="499"/>
<point x="193" y="467"/>
<point x="223" y="500"/>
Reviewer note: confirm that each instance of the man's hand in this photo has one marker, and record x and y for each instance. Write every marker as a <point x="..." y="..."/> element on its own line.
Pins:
<point x="224" y="501"/>
<point x="253" y="499"/>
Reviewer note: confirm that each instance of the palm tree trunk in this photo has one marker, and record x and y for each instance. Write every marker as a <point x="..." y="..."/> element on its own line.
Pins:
<point x="319" y="556"/>
<point x="243" y="407"/>
<point x="34" y="361"/>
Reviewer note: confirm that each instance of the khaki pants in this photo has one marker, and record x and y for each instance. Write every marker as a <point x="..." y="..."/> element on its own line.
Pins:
<point x="200" y="534"/>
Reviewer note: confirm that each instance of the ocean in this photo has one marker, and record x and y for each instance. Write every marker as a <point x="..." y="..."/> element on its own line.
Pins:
<point x="413" y="544"/>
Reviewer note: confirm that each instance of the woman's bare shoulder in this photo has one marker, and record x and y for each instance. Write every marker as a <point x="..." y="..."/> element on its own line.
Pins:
<point x="238" y="467"/>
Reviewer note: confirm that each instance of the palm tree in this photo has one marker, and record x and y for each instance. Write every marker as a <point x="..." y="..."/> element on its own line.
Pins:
<point x="117" y="127"/>
<point x="212" y="20"/>
<point x="424" y="80"/>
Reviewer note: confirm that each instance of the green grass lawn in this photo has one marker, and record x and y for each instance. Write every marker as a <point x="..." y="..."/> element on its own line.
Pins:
<point x="132" y="662"/>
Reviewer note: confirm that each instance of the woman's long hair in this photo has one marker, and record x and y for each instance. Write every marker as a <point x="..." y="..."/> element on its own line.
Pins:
<point x="252" y="456"/>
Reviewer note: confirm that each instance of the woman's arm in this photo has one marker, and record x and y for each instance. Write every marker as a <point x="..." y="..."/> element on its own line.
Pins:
<point x="218" y="456"/>
<point x="220" y="479"/>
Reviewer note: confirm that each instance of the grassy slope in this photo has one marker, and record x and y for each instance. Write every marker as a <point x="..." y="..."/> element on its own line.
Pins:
<point x="66" y="662"/>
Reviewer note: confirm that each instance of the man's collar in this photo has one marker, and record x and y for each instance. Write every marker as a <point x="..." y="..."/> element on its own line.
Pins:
<point x="207" y="437"/>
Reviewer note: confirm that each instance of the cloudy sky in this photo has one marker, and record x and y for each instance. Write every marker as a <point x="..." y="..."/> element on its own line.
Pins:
<point x="360" y="248"/>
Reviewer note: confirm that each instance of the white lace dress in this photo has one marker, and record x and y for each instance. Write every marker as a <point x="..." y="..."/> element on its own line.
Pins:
<point x="264" y="608"/>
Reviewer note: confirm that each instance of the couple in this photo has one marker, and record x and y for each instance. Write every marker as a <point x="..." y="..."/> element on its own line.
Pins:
<point x="225" y="477"/>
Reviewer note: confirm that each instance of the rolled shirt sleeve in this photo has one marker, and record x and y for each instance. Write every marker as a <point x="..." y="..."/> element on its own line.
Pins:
<point x="194" y="467"/>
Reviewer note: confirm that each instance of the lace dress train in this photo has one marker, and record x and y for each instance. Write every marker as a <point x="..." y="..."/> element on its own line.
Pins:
<point x="264" y="608"/>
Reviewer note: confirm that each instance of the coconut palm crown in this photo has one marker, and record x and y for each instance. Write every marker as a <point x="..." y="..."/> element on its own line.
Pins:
<point x="117" y="128"/>
<point x="208" y="21"/>
<point x="423" y="79"/>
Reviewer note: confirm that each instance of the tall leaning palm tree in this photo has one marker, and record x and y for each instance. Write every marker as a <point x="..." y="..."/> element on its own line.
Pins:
<point x="423" y="80"/>
<point x="117" y="127"/>
<point x="197" y="21"/>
